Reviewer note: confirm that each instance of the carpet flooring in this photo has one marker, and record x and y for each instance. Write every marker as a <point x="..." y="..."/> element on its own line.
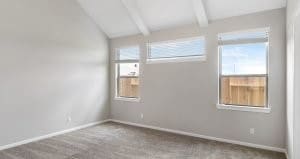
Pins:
<point x="118" y="141"/>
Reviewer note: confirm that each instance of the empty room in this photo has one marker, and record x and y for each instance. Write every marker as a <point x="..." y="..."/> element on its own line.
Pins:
<point x="149" y="79"/>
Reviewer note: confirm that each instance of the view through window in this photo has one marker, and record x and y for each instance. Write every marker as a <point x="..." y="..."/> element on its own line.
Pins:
<point x="244" y="68"/>
<point x="127" y="72"/>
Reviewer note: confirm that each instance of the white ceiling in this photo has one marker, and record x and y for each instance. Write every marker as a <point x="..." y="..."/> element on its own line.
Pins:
<point x="219" y="9"/>
<point x="116" y="21"/>
<point x="111" y="16"/>
<point x="160" y="14"/>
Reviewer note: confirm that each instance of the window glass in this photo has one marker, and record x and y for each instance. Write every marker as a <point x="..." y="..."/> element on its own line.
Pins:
<point x="127" y="72"/>
<point x="128" y="87"/>
<point x="243" y="69"/>
<point x="129" y="69"/>
<point x="244" y="59"/>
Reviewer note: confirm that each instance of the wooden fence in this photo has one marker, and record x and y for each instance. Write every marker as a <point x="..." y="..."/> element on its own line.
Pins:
<point x="243" y="90"/>
<point x="128" y="87"/>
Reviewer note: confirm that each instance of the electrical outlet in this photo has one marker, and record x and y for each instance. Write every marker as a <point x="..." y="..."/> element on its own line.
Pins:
<point x="252" y="131"/>
<point x="142" y="115"/>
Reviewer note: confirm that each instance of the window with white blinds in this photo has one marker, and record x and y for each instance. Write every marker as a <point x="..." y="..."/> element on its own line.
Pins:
<point x="192" y="48"/>
<point x="243" y="69"/>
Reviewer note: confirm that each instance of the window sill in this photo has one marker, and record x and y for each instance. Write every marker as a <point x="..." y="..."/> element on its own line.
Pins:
<point x="179" y="59"/>
<point x="244" y="108"/>
<point x="127" y="99"/>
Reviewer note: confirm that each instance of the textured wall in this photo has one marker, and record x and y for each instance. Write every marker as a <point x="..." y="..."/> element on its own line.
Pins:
<point x="53" y="65"/>
<point x="183" y="96"/>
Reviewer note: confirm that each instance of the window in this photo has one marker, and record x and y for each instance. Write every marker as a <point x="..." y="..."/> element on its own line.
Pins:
<point x="179" y="50"/>
<point x="243" y="79"/>
<point x="127" y="73"/>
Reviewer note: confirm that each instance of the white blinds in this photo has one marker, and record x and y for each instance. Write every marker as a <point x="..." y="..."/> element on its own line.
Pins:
<point x="129" y="53"/>
<point x="250" y="36"/>
<point x="176" y="49"/>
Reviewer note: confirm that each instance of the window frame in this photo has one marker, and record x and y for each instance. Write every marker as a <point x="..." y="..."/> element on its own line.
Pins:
<point x="247" y="108"/>
<point x="178" y="58"/>
<point x="117" y="63"/>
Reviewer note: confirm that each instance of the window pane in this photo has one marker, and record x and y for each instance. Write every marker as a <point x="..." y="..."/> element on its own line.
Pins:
<point x="128" y="80"/>
<point x="175" y="49"/>
<point x="243" y="64"/>
<point x="129" y="69"/>
<point x="129" y="87"/>
<point x="248" y="91"/>
<point x="131" y="53"/>
<point x="244" y="59"/>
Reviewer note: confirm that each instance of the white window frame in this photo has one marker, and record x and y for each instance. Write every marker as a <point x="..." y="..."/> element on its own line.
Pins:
<point x="117" y="61"/>
<point x="267" y="108"/>
<point x="176" y="59"/>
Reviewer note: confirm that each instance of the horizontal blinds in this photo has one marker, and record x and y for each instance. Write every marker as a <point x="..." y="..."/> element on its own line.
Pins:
<point x="177" y="49"/>
<point x="250" y="36"/>
<point x="128" y="54"/>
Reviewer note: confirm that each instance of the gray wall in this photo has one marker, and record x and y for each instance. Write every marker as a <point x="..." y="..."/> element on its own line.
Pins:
<point x="183" y="96"/>
<point x="293" y="75"/>
<point x="297" y="88"/>
<point x="53" y="64"/>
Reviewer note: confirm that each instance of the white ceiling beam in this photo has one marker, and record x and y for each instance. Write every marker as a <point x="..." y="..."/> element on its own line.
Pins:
<point x="200" y="12"/>
<point x="133" y="10"/>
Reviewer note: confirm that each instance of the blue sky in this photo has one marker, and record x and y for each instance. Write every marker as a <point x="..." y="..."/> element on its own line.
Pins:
<point x="244" y="59"/>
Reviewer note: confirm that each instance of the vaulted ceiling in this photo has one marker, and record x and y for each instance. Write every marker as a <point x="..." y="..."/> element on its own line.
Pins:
<point x="119" y="18"/>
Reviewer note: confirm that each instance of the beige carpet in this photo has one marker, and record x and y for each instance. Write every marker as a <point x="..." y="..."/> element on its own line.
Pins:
<point x="117" y="141"/>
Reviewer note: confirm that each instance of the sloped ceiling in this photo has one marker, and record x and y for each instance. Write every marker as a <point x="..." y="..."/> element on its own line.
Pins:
<point x="114" y="18"/>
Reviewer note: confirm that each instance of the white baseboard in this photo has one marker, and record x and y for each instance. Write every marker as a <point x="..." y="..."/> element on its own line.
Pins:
<point x="50" y="135"/>
<point x="286" y="154"/>
<point x="204" y="136"/>
<point x="144" y="126"/>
